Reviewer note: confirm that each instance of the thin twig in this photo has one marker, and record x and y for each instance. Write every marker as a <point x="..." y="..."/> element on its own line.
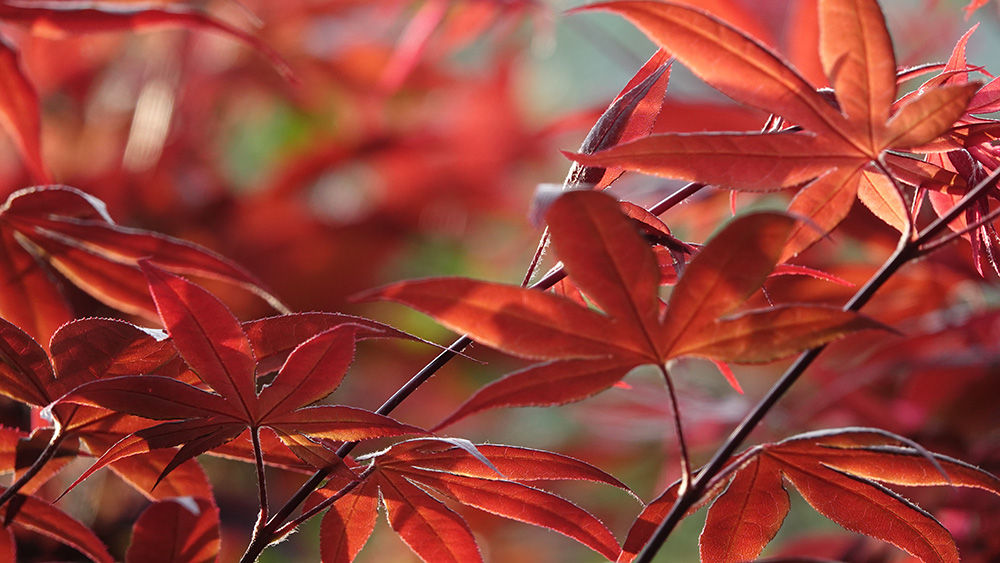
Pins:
<point x="931" y="246"/>
<point x="906" y="250"/>
<point x="58" y="436"/>
<point x="269" y="530"/>
<point x="324" y="504"/>
<point x="258" y="456"/>
<point x="681" y="442"/>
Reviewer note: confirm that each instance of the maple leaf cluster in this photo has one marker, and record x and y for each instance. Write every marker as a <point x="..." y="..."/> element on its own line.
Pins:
<point x="269" y="160"/>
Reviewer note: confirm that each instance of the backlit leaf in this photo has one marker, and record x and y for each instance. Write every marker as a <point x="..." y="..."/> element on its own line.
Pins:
<point x="184" y="530"/>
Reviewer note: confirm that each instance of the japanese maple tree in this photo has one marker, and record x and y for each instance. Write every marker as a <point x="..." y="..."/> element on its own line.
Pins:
<point x="213" y="214"/>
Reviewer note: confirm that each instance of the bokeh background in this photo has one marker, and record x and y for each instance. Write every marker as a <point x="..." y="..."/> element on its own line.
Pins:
<point x="411" y="145"/>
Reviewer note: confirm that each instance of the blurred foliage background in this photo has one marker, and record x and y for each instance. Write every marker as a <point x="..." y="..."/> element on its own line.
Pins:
<point x="410" y="146"/>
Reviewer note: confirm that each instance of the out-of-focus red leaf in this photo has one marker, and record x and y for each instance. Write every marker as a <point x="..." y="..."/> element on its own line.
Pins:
<point x="9" y="440"/>
<point x="59" y="19"/>
<point x="7" y="546"/>
<point x="28" y="298"/>
<point x="69" y="231"/>
<point x="973" y="6"/>
<point x="39" y="516"/>
<point x="183" y="530"/>
<point x="19" y="111"/>
<point x="412" y="43"/>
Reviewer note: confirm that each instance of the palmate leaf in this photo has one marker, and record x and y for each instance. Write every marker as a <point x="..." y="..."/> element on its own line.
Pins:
<point x="488" y="477"/>
<point x="837" y="144"/>
<point x="841" y="474"/>
<point x="587" y="350"/>
<point x="214" y="345"/>
<point x="82" y="351"/>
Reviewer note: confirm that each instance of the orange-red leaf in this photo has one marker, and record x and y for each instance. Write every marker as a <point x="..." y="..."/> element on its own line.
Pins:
<point x="729" y="60"/>
<point x="768" y="334"/>
<point x="926" y="116"/>
<point x="746" y="517"/>
<point x="552" y="383"/>
<point x="610" y="263"/>
<point x="822" y="205"/>
<point x="857" y="57"/>
<point x="865" y="507"/>
<point x="349" y="523"/>
<point x="743" y="161"/>
<point x="432" y="530"/>
<point x="524" y="504"/>
<point x="730" y="268"/>
<point x="530" y="324"/>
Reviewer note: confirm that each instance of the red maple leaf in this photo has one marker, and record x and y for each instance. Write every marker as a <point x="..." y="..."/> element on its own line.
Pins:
<point x="834" y="145"/>
<point x="586" y="350"/>
<point x="215" y="346"/>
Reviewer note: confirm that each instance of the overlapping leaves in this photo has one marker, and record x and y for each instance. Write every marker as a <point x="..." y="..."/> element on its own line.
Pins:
<point x="488" y="477"/>
<point x="216" y="348"/>
<point x="838" y="143"/>
<point x="587" y="350"/>
<point x="842" y="474"/>
<point x="27" y="511"/>
<point x="63" y="229"/>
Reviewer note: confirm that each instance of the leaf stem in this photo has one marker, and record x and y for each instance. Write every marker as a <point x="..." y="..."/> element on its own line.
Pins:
<point x="923" y="240"/>
<point x="321" y="506"/>
<point x="906" y="250"/>
<point x="269" y="530"/>
<point x="258" y="455"/>
<point x="58" y="437"/>
<point x="681" y="442"/>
